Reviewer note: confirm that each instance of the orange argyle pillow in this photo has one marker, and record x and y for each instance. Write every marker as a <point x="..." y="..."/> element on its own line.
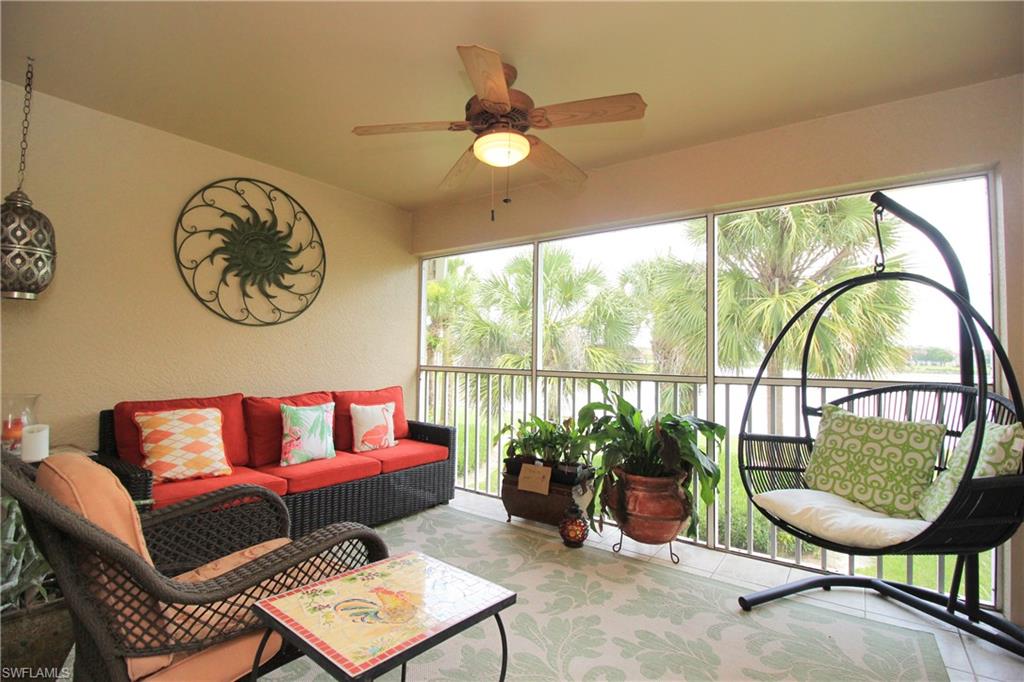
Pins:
<point x="182" y="444"/>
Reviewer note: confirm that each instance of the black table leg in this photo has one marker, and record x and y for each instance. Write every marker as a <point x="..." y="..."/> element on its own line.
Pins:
<point x="504" y="647"/>
<point x="259" y="654"/>
<point x="403" y="672"/>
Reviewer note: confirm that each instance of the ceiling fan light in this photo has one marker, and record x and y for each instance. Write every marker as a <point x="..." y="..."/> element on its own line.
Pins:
<point x="501" y="148"/>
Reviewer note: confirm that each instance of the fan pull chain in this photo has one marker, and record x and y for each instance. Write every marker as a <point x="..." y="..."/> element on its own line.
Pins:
<point x="492" y="194"/>
<point x="507" y="200"/>
<point x="880" y="258"/>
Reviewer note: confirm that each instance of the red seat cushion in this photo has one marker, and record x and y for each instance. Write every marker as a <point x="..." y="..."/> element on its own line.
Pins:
<point x="263" y="423"/>
<point x="407" y="454"/>
<point x="320" y="473"/>
<point x="129" y="440"/>
<point x="178" y="491"/>
<point x="343" y="415"/>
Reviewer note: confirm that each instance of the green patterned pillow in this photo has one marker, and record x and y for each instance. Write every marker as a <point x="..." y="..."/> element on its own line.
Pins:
<point x="1002" y="447"/>
<point x="880" y="463"/>
<point x="308" y="433"/>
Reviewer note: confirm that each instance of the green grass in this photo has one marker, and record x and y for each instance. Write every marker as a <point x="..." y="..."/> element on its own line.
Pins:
<point x="926" y="572"/>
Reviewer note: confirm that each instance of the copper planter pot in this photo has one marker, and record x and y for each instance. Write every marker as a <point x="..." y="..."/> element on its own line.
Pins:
<point x="652" y="510"/>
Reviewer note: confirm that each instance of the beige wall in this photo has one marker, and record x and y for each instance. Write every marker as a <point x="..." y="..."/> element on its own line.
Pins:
<point x="975" y="127"/>
<point x="119" y="323"/>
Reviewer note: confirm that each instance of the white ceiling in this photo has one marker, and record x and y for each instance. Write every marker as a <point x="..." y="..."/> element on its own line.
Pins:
<point x="286" y="82"/>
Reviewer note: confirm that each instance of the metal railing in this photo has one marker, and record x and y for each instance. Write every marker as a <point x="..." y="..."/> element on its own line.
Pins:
<point x="481" y="402"/>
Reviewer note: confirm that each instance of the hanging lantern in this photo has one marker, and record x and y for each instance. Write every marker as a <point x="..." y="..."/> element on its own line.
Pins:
<point x="28" y="243"/>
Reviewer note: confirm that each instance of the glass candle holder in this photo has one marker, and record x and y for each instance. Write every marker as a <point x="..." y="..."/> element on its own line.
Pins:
<point x="18" y="412"/>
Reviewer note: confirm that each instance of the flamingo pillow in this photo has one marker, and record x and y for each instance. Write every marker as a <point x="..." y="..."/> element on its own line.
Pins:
<point x="373" y="427"/>
<point x="308" y="433"/>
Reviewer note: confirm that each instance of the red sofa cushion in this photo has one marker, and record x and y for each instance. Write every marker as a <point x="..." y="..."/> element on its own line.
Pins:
<point x="178" y="491"/>
<point x="343" y="414"/>
<point x="320" y="473"/>
<point x="407" y="454"/>
<point x="126" y="431"/>
<point x="263" y="423"/>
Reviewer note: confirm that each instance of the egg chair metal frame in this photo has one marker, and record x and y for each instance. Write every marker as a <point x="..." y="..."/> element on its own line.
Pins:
<point x="983" y="513"/>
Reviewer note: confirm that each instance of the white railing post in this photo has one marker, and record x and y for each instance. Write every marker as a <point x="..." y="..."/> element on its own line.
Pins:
<point x="536" y="321"/>
<point x="710" y="355"/>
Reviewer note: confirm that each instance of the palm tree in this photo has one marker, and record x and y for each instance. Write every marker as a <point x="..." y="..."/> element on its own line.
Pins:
<point x="773" y="261"/>
<point x="586" y="324"/>
<point x="671" y="295"/>
<point x="449" y="295"/>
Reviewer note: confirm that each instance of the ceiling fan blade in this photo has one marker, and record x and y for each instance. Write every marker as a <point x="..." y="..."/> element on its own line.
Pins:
<point x="488" y="77"/>
<point x="460" y="171"/>
<point x="556" y="166"/>
<point x="422" y="127"/>
<point x="582" y="112"/>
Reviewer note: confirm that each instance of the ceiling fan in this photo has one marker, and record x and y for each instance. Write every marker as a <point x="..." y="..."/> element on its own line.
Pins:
<point x="500" y="116"/>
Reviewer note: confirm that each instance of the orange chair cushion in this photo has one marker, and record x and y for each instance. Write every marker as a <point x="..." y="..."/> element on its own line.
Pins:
<point x="343" y="413"/>
<point x="222" y="662"/>
<point x="93" y="492"/>
<point x="179" y="491"/>
<point x="319" y="473"/>
<point x="407" y="454"/>
<point x="129" y="440"/>
<point x="219" y="567"/>
<point x="263" y="423"/>
<point x="226" y="661"/>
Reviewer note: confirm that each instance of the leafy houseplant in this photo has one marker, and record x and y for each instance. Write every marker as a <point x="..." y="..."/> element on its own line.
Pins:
<point x="566" y="446"/>
<point x="532" y="439"/>
<point x="25" y="571"/>
<point x="36" y="624"/>
<point x="634" y="450"/>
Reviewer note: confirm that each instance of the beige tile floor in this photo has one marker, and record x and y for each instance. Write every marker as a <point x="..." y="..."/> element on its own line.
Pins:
<point x="966" y="657"/>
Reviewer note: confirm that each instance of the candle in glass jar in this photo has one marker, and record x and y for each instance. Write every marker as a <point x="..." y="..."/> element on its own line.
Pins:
<point x="12" y="429"/>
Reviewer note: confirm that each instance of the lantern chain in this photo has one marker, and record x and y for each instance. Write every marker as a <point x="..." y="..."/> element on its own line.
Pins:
<point x="26" y="109"/>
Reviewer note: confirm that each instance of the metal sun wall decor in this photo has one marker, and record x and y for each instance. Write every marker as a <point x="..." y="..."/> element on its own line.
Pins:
<point x="249" y="252"/>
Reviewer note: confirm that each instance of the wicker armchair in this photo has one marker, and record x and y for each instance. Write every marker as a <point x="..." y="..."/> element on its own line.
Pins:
<point x="183" y="597"/>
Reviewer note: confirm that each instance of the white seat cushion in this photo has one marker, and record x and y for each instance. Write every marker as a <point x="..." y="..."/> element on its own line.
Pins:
<point x="837" y="519"/>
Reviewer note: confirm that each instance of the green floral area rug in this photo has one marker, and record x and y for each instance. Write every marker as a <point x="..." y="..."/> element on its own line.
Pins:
<point x="587" y="614"/>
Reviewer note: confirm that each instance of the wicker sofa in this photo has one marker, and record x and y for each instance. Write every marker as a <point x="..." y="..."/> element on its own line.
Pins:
<point x="416" y="475"/>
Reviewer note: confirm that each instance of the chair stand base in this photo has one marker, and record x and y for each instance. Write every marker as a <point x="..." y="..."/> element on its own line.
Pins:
<point x="1007" y="635"/>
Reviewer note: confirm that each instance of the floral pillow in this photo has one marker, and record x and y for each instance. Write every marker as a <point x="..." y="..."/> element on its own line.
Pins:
<point x="308" y="433"/>
<point x="880" y="463"/>
<point x="1002" y="447"/>
<point x="373" y="427"/>
<point x="181" y="444"/>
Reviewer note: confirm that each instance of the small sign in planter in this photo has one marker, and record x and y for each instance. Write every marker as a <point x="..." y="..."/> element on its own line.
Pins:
<point x="535" y="479"/>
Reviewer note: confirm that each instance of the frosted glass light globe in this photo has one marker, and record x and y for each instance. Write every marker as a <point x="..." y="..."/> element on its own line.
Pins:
<point x="501" y="148"/>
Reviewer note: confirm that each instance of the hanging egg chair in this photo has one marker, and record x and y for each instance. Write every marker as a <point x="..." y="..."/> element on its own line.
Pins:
<point x="981" y="513"/>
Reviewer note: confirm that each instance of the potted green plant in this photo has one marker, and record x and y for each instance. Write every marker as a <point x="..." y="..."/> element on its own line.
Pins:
<point x="564" y="447"/>
<point x="36" y="625"/>
<point x="644" y="466"/>
<point x="577" y="448"/>
<point x="524" y="445"/>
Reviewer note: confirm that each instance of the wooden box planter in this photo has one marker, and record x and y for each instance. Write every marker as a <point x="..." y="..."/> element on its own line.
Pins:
<point x="548" y="508"/>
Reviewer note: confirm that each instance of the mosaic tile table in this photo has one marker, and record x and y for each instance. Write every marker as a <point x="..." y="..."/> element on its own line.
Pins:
<point x="363" y="623"/>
